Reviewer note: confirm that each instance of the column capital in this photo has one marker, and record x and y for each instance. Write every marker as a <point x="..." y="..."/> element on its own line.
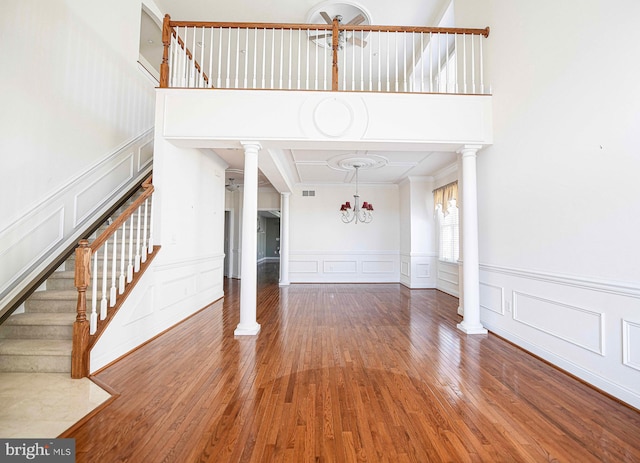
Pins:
<point x="286" y="194"/>
<point x="251" y="146"/>
<point x="468" y="150"/>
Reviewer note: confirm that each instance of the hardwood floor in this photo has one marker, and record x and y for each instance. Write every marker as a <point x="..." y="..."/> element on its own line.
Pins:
<point x="347" y="373"/>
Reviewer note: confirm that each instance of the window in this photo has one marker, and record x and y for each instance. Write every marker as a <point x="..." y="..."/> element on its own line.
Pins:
<point x="448" y="217"/>
<point x="449" y="239"/>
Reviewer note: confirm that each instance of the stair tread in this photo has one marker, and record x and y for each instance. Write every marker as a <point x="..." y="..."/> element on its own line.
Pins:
<point x="41" y="318"/>
<point x="58" y="294"/>
<point x="35" y="347"/>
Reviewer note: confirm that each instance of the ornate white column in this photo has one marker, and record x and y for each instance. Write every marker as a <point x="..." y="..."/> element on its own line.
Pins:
<point x="249" y="260"/>
<point x="284" y="238"/>
<point x="471" y="266"/>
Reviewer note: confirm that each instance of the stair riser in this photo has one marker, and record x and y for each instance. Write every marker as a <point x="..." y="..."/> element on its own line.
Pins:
<point x="36" y="332"/>
<point x="36" y="364"/>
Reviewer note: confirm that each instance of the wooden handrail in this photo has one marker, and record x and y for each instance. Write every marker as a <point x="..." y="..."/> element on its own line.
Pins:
<point x="366" y="28"/>
<point x="128" y="212"/>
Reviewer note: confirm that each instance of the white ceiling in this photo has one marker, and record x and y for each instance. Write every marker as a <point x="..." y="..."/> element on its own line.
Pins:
<point x="314" y="167"/>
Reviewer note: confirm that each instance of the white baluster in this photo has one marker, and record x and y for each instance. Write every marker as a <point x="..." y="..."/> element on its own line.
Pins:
<point x="306" y="85"/>
<point x="93" y="319"/>
<point x="237" y="79"/>
<point x="473" y="66"/>
<point x="151" y="226"/>
<point x="317" y="50"/>
<point x="290" y="55"/>
<point x="464" y="63"/>
<point x="439" y="64"/>
<point x="114" y="265"/>
<point x="273" y="57"/>
<point x="144" y="230"/>
<point x="136" y="267"/>
<point x="413" y="62"/>
<point x="264" y="58"/>
<point x="404" y="61"/>
<point x="361" y="65"/>
<point x="299" y="59"/>
<point x="255" y="58"/>
<point x="379" y="34"/>
<point x="430" y="62"/>
<point x="130" y="266"/>
<point x="219" y="73"/>
<point x="122" y="278"/>
<point x="481" y="65"/>
<point x="388" y="34"/>
<point x="422" y="61"/>
<point x="203" y="83"/>
<point x="370" y="61"/>
<point x="326" y="79"/>
<point x="195" y="75"/>
<point x="446" y="64"/>
<point x="211" y="30"/>
<point x="227" y="83"/>
<point x="395" y="47"/>
<point x="353" y="67"/>
<point x="281" y="77"/>
<point x="103" y="300"/>
<point x="455" y="67"/>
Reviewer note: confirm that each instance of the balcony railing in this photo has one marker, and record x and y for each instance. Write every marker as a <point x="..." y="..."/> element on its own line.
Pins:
<point x="332" y="57"/>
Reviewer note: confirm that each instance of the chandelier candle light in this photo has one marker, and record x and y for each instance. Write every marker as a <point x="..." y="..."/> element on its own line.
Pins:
<point x="357" y="214"/>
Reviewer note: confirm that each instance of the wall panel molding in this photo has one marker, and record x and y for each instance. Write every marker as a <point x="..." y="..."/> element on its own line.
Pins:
<point x="576" y="325"/>
<point x="76" y="206"/>
<point x="492" y="298"/>
<point x="344" y="267"/>
<point x="631" y="344"/>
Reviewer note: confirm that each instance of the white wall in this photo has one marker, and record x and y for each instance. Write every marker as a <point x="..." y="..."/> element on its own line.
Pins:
<point x="76" y="112"/>
<point x="323" y="249"/>
<point x="187" y="274"/>
<point x="418" y="255"/>
<point x="558" y="191"/>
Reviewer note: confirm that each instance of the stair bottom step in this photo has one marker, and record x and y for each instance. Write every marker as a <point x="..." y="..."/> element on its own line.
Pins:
<point x="34" y="355"/>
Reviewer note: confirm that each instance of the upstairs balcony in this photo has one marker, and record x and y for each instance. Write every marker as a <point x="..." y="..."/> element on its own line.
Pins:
<point x="345" y="84"/>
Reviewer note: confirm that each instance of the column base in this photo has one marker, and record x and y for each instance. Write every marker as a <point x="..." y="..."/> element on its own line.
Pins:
<point x="284" y="283"/>
<point x="477" y="329"/>
<point x="247" y="330"/>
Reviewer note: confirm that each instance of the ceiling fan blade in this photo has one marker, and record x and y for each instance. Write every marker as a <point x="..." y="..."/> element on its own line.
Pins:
<point x="326" y="17"/>
<point x="357" y="20"/>
<point x="321" y="36"/>
<point x="358" y="42"/>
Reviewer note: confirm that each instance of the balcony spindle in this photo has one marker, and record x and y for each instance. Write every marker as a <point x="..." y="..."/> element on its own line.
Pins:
<point x="145" y="228"/>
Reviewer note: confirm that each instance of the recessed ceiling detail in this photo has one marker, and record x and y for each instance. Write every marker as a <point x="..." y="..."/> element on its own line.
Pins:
<point x="347" y="162"/>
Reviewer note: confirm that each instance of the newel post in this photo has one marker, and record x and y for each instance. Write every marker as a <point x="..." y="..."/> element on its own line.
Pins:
<point x="166" y="41"/>
<point x="335" y="45"/>
<point x="79" y="351"/>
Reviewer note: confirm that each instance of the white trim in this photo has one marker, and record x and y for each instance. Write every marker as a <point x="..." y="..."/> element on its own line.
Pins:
<point x="606" y="286"/>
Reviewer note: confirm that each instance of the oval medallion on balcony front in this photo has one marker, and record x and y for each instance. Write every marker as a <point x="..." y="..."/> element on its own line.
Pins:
<point x="333" y="117"/>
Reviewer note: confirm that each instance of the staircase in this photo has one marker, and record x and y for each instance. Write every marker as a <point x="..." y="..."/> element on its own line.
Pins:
<point x="40" y="339"/>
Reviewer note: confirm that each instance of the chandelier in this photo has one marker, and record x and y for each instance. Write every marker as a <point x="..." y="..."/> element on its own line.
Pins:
<point x="358" y="213"/>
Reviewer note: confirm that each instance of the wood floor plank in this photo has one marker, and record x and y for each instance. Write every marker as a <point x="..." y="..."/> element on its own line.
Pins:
<point x="347" y="373"/>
